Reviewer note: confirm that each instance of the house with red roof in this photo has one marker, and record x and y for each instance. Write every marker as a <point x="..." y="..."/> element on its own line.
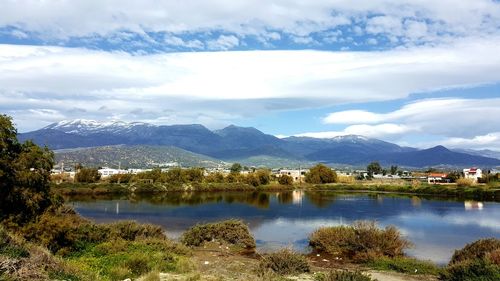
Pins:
<point x="473" y="173"/>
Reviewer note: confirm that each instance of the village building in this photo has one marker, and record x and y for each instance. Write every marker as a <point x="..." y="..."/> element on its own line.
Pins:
<point x="297" y="175"/>
<point x="434" y="178"/>
<point x="473" y="173"/>
<point x="106" y="172"/>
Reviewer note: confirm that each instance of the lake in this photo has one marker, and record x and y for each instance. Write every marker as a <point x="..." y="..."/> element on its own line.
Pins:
<point x="278" y="219"/>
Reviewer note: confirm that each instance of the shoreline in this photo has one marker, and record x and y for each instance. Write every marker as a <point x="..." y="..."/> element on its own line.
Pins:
<point x="480" y="193"/>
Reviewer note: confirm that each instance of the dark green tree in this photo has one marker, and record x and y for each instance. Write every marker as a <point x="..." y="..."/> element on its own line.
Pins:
<point x="264" y="176"/>
<point x="394" y="170"/>
<point x="373" y="168"/>
<point x="236" y="168"/>
<point x="87" y="175"/>
<point x="285" y="180"/>
<point x="24" y="176"/>
<point x="321" y="174"/>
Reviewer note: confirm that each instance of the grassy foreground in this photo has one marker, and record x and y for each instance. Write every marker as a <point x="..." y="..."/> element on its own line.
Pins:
<point x="63" y="246"/>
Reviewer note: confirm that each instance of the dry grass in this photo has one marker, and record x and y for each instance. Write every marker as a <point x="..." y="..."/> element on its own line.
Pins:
<point x="465" y="182"/>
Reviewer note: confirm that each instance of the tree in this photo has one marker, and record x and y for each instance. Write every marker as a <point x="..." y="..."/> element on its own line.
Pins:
<point x="24" y="176"/>
<point x="321" y="174"/>
<point x="285" y="180"/>
<point x="88" y="175"/>
<point x="394" y="170"/>
<point x="236" y="168"/>
<point x="373" y="168"/>
<point x="263" y="176"/>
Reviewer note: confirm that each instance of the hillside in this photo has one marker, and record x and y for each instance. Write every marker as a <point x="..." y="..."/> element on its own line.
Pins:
<point x="240" y="144"/>
<point x="137" y="156"/>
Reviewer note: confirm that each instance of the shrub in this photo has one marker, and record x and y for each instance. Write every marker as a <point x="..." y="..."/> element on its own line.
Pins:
<point x="131" y="230"/>
<point x="285" y="180"/>
<point x="476" y="250"/>
<point x="88" y="175"/>
<point x="343" y="275"/>
<point x="284" y="262"/>
<point x="215" y="178"/>
<point x="471" y="270"/>
<point x="321" y="174"/>
<point x="263" y="176"/>
<point x="230" y="231"/>
<point x="252" y="180"/>
<point x="476" y="261"/>
<point x="363" y="241"/>
<point x="465" y="182"/>
<point x="121" y="178"/>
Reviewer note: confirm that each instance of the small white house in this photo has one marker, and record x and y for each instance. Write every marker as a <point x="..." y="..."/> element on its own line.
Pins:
<point x="473" y="173"/>
<point x="106" y="172"/>
<point x="297" y="175"/>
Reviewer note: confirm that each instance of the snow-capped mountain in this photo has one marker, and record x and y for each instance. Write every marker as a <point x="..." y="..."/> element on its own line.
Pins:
<point x="86" y="127"/>
<point x="235" y="143"/>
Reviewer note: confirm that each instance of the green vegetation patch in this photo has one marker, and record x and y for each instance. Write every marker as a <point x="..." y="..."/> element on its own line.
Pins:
<point x="284" y="262"/>
<point x="405" y="265"/>
<point x="479" y="261"/>
<point x="120" y="259"/>
<point x="230" y="231"/>
<point x="361" y="242"/>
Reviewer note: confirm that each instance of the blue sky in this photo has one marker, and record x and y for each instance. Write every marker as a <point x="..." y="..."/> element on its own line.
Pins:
<point x="417" y="73"/>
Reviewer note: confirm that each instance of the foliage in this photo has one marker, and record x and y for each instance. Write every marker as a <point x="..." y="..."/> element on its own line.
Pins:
<point x="405" y="265"/>
<point x="479" y="260"/>
<point x="394" y="170"/>
<point x="121" y="178"/>
<point x="373" y="168"/>
<point x="284" y="262"/>
<point x="361" y="242"/>
<point x="343" y="275"/>
<point x="215" y="178"/>
<point x="476" y="250"/>
<point x="88" y="175"/>
<point x="346" y="179"/>
<point x="285" y="180"/>
<point x="263" y="176"/>
<point x="464" y="182"/>
<point x="24" y="176"/>
<point x="453" y="176"/>
<point x="230" y="231"/>
<point x="321" y="174"/>
<point x="236" y="168"/>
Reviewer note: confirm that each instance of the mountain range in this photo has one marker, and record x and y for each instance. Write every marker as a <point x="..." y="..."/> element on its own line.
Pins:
<point x="249" y="145"/>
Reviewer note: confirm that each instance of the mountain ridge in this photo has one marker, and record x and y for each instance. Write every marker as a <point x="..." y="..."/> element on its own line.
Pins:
<point x="234" y="143"/>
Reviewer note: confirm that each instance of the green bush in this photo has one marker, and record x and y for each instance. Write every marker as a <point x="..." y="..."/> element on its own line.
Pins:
<point x="471" y="270"/>
<point x="361" y="242"/>
<point x="343" y="275"/>
<point x="284" y="262"/>
<point x="230" y="231"/>
<point x="88" y="175"/>
<point x="476" y="250"/>
<point x="320" y="174"/>
<point x="131" y="230"/>
<point x="479" y="261"/>
<point x="285" y="180"/>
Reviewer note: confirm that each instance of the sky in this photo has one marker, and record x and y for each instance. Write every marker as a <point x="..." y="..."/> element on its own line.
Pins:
<point x="418" y="73"/>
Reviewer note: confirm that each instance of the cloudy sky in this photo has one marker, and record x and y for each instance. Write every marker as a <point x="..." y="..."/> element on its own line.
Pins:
<point x="417" y="73"/>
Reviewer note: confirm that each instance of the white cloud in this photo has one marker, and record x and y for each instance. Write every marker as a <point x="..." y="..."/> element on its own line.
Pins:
<point x="372" y="131"/>
<point x="88" y="18"/>
<point x="450" y="117"/>
<point x="177" y="41"/>
<point x="229" y="85"/>
<point x="224" y="42"/>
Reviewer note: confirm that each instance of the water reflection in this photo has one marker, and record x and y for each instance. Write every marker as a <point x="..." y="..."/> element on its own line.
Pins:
<point x="278" y="219"/>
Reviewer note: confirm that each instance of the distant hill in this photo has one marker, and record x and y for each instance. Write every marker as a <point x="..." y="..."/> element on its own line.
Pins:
<point x="138" y="156"/>
<point x="248" y="145"/>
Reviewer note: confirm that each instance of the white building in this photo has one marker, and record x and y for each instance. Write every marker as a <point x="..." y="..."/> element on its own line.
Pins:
<point x="106" y="172"/>
<point x="297" y="175"/>
<point x="473" y="173"/>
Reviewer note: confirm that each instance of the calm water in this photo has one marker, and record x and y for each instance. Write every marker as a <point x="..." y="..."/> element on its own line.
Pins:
<point x="435" y="226"/>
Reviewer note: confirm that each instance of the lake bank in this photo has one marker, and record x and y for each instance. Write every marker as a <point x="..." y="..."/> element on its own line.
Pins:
<point x="479" y="192"/>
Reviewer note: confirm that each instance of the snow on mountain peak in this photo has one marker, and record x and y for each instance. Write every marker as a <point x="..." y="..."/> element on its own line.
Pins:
<point x="86" y="126"/>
